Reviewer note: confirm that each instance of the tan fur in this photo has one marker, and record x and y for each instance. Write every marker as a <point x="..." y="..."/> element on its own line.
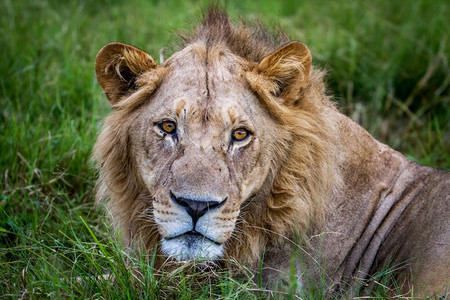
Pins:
<point x="303" y="163"/>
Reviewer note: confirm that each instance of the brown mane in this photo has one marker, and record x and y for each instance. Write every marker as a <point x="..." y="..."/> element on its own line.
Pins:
<point x="249" y="40"/>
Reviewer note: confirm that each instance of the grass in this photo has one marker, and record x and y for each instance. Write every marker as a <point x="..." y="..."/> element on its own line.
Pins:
<point x="388" y="67"/>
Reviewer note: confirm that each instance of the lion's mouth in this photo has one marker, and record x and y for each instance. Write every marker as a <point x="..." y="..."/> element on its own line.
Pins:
<point x="191" y="245"/>
<point x="192" y="236"/>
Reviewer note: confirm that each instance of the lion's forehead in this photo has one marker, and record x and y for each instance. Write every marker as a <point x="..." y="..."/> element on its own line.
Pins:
<point x="205" y="85"/>
<point x="208" y="72"/>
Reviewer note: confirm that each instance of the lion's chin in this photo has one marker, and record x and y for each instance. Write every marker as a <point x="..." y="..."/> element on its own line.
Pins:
<point x="191" y="246"/>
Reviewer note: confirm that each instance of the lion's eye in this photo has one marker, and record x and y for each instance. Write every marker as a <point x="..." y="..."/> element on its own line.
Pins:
<point x="168" y="126"/>
<point x="240" y="134"/>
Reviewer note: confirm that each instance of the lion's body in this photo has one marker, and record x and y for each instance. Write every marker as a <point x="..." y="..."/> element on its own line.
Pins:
<point x="301" y="168"/>
<point x="389" y="212"/>
<point x="402" y="211"/>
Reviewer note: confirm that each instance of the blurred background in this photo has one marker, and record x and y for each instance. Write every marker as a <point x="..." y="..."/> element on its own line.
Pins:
<point x="387" y="66"/>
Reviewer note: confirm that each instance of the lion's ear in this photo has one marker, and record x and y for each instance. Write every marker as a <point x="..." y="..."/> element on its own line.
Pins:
<point x="117" y="66"/>
<point x="287" y="70"/>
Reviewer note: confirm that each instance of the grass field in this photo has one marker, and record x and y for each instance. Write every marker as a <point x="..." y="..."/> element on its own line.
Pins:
<point x="387" y="64"/>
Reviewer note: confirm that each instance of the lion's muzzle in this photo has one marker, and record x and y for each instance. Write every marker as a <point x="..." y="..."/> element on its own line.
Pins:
<point x="195" y="231"/>
<point x="196" y="208"/>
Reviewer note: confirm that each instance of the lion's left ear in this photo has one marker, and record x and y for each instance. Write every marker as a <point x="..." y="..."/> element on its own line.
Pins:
<point x="285" y="71"/>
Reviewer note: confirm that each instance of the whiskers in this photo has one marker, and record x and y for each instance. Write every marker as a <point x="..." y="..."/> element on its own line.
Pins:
<point x="146" y="229"/>
<point x="239" y="235"/>
<point x="147" y="215"/>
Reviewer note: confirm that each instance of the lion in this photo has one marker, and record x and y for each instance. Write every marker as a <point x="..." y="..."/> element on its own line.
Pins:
<point x="232" y="149"/>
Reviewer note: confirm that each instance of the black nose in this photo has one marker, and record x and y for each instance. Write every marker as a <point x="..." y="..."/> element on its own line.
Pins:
<point x="196" y="208"/>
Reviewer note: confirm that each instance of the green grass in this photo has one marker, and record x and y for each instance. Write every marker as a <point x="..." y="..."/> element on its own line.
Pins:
<point x="388" y="67"/>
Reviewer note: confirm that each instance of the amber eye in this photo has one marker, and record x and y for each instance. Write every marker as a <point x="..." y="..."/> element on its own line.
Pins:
<point x="168" y="126"/>
<point x="240" y="134"/>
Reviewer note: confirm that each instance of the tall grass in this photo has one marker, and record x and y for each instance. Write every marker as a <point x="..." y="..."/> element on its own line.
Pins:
<point x="388" y="67"/>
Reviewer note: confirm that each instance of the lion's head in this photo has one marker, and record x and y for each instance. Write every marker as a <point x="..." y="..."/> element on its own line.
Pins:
<point x="218" y="151"/>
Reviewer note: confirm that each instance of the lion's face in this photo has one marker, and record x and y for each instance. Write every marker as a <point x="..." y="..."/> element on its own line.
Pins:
<point x="198" y="136"/>
<point x="200" y="152"/>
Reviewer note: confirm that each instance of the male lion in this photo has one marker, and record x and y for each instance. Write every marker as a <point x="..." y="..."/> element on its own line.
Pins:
<point x="232" y="149"/>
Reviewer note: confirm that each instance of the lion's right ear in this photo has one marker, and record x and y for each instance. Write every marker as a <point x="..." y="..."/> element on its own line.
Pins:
<point x="117" y="67"/>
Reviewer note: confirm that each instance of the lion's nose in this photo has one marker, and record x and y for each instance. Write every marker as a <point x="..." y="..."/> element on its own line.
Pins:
<point x="196" y="208"/>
